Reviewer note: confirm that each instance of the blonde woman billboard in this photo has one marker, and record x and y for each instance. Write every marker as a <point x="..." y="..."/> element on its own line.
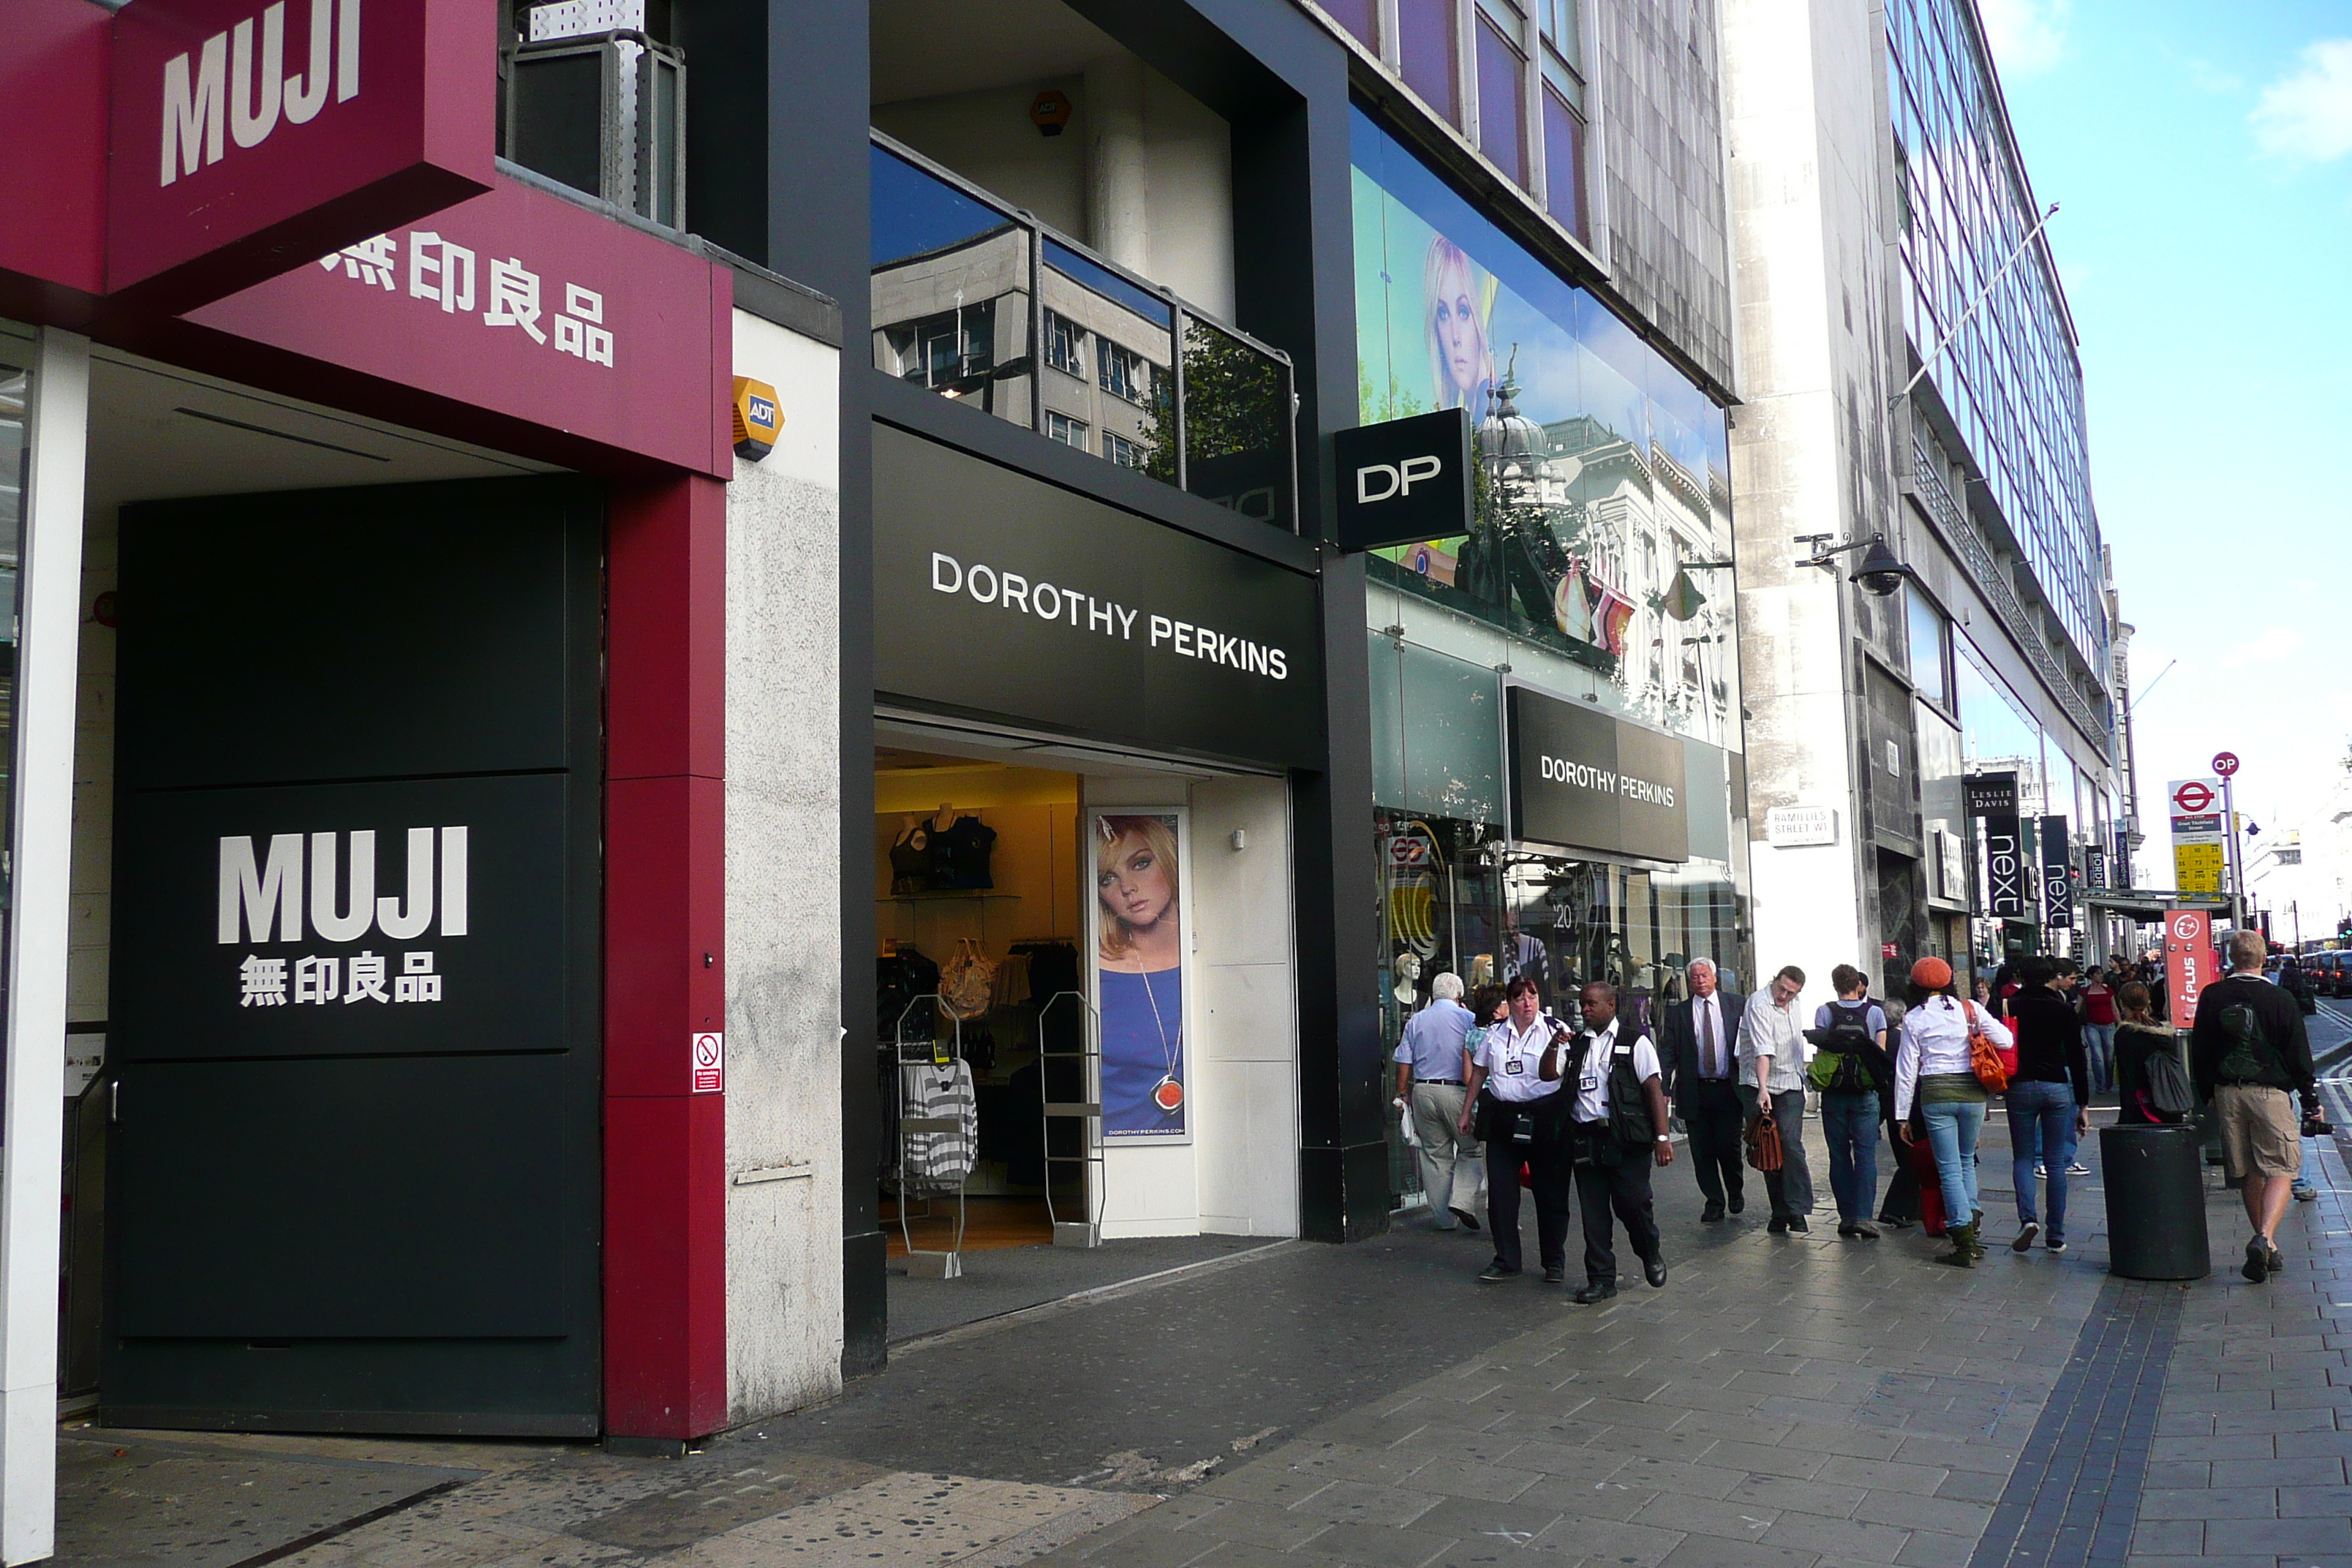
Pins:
<point x="1140" y="973"/>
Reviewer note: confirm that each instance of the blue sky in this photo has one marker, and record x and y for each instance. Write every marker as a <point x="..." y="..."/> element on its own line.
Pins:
<point x="2202" y="153"/>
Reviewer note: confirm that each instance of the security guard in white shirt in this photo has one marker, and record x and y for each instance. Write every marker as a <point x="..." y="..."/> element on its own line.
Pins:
<point x="1613" y="1169"/>
<point x="1514" y="1098"/>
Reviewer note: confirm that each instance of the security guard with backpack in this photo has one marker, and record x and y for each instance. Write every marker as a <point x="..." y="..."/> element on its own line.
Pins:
<point x="1855" y="1079"/>
<point x="1617" y="1126"/>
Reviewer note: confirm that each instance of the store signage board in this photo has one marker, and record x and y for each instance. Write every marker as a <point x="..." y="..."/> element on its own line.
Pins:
<point x="2006" y="867"/>
<point x="1798" y="827"/>
<point x="248" y="138"/>
<point x="1404" y="480"/>
<point x="1031" y="602"/>
<point x="1581" y="779"/>
<point x="1991" y="794"/>
<point x="2057" y="872"/>
<point x="524" y="304"/>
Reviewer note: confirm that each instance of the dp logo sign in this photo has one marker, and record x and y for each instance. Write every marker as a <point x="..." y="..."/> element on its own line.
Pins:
<point x="1405" y="481"/>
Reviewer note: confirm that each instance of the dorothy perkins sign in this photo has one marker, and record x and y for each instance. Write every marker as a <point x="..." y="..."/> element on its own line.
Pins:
<point x="1582" y="779"/>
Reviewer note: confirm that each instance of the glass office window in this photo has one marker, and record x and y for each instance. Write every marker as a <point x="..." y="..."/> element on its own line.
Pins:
<point x="1502" y="101"/>
<point x="1426" y="52"/>
<point x="1928" y="639"/>
<point x="1360" y="17"/>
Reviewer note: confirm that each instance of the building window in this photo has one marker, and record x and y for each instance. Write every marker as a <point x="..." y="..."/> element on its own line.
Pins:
<point x="1064" y="345"/>
<point x="1121" y="450"/>
<point x="1123" y="372"/>
<point x="1426" y="53"/>
<point x="1929" y="662"/>
<point x="1070" y="432"/>
<point x="1557" y="20"/>
<point x="1358" y="17"/>
<point x="1564" y="163"/>
<point x="953" y="346"/>
<point x="1502" y="101"/>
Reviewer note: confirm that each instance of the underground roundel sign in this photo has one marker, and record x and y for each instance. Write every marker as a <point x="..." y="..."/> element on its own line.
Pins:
<point x="710" y="1063"/>
<point x="2193" y="798"/>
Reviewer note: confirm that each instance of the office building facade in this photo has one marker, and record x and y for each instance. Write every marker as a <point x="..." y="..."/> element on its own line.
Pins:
<point x="1910" y="371"/>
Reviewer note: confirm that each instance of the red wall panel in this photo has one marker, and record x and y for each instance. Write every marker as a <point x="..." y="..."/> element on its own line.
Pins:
<point x="665" y="959"/>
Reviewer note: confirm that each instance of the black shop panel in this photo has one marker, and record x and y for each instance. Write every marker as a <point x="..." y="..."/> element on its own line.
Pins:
<point x="388" y="1198"/>
<point x="400" y="630"/>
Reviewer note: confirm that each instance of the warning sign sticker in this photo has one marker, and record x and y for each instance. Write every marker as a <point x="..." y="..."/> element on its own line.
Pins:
<point x="709" y="1053"/>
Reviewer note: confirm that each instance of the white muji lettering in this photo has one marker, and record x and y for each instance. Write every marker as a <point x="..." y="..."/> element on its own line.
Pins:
<point x="260" y="893"/>
<point x="233" y="87"/>
<point x="1395" y="479"/>
<point x="251" y="897"/>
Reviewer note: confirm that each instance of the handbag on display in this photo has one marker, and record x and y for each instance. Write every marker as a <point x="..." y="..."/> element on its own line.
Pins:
<point x="968" y="981"/>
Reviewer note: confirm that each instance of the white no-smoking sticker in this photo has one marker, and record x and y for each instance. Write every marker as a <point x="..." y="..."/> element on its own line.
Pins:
<point x="710" y="1063"/>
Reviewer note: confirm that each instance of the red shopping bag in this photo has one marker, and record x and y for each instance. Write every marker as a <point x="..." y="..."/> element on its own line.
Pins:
<point x="1931" y="1187"/>
<point x="1527" y="1176"/>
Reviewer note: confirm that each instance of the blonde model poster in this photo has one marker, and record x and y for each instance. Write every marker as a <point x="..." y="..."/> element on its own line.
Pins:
<point x="1140" y="973"/>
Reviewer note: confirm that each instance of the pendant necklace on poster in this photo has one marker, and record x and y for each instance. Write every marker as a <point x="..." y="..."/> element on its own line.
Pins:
<point x="1168" y="1094"/>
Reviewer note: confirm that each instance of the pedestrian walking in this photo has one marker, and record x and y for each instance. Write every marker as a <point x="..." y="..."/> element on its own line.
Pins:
<point x="1618" y="1128"/>
<point x="2251" y="1058"/>
<point x="1516" y="1111"/>
<point x="2047" y="1098"/>
<point x="1899" y="1210"/>
<point x="1855" y="1081"/>
<point x="2098" y="1002"/>
<point x="1432" y="1070"/>
<point x="1772" y="1087"/>
<point x="1700" y="1037"/>
<point x="1933" y="1067"/>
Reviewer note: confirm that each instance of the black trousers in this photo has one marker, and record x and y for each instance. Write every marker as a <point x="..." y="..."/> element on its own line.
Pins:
<point x="1622" y="1188"/>
<point x="1717" y="1122"/>
<point x="1547" y="1155"/>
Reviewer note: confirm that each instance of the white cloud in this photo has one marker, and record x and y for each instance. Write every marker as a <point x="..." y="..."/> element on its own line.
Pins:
<point x="2306" y="116"/>
<point x="2271" y="645"/>
<point x="2027" y="36"/>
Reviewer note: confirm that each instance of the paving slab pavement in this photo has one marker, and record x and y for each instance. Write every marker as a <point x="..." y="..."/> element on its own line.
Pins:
<point x="1801" y="1402"/>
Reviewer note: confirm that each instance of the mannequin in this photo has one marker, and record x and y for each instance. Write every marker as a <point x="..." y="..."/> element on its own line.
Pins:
<point x="1408" y="975"/>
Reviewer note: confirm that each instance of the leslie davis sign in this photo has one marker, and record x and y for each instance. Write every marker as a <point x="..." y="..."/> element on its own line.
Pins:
<point x="248" y="138"/>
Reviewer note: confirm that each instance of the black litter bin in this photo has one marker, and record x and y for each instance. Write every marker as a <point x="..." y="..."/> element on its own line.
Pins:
<point x="2156" y="1202"/>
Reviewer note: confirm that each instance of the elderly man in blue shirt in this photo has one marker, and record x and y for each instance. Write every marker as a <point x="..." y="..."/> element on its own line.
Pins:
<point x="1429" y="1069"/>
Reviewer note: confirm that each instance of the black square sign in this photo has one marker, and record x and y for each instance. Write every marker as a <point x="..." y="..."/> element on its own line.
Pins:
<point x="1405" y="480"/>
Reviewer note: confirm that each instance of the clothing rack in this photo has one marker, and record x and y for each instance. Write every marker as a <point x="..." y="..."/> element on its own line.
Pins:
<point x="928" y="1263"/>
<point x="1085" y="1230"/>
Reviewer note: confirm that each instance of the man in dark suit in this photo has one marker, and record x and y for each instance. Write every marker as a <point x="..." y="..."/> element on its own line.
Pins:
<point x="1701" y="1039"/>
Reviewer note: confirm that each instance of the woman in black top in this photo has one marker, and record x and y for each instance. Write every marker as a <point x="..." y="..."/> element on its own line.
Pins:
<point x="2049" y="1097"/>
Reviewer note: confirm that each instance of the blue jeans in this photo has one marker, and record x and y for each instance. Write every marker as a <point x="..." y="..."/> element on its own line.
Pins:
<point x="2043" y="1115"/>
<point x="1850" y="1123"/>
<point x="1952" y="1128"/>
<point x="2099" y="1046"/>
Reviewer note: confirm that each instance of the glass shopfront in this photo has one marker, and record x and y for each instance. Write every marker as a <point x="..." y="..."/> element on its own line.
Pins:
<point x="1594" y="585"/>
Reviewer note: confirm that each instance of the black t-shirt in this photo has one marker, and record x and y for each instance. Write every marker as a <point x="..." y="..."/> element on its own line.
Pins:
<point x="963" y="852"/>
<point x="2050" y="1040"/>
<point x="2276" y="1014"/>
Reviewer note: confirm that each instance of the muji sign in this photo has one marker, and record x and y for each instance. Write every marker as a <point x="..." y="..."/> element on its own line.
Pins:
<point x="248" y="138"/>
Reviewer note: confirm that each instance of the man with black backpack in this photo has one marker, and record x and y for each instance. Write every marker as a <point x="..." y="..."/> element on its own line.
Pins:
<point x="2251" y="1058"/>
<point x="1856" y="1080"/>
<point x="1617" y="1126"/>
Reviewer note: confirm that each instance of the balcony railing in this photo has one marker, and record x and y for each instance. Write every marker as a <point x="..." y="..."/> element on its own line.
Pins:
<point x="1935" y="498"/>
<point x="981" y="302"/>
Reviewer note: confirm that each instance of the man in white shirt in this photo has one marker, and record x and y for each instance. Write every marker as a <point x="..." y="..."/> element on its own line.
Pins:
<point x="1514" y="1083"/>
<point x="1772" y="1084"/>
<point x="1614" y="1173"/>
